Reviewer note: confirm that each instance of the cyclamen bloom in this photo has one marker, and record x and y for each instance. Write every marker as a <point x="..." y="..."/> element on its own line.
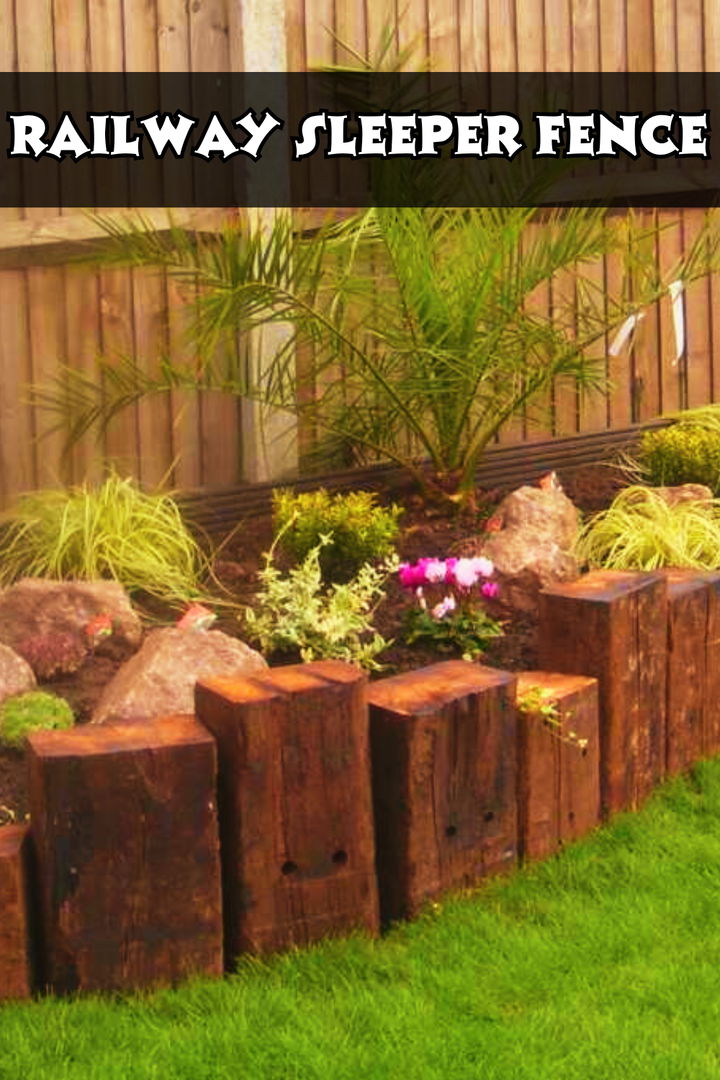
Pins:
<point x="466" y="573"/>
<point x="435" y="571"/>
<point x="490" y="589"/>
<point x="444" y="608"/>
<point x="411" y="575"/>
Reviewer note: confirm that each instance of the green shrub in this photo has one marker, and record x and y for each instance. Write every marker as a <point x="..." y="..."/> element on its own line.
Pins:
<point x="34" y="711"/>
<point x="296" y="611"/>
<point x="111" y="531"/>
<point x="683" y="453"/>
<point x="360" y="530"/>
<point x="641" y="531"/>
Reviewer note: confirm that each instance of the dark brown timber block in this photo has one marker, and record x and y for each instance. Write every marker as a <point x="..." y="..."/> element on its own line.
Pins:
<point x="711" y="720"/>
<point x="295" y="804"/>
<point x="688" y="708"/>
<point x="612" y="624"/>
<point x="124" y="825"/>
<point x="16" y="979"/>
<point x="444" y="779"/>
<point x="558" y="780"/>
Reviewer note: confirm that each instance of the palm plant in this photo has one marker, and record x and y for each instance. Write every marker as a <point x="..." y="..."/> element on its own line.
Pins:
<point x="418" y="324"/>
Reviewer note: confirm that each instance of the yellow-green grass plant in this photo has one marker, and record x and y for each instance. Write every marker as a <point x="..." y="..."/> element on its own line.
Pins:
<point x="642" y="531"/>
<point x="113" y="531"/>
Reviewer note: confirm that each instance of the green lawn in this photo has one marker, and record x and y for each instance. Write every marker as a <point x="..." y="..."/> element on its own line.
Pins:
<point x="602" y="963"/>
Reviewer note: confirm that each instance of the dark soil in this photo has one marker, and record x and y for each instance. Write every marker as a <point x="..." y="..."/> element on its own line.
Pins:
<point x="423" y="533"/>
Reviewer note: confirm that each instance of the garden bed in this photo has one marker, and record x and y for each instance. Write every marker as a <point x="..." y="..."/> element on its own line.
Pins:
<point x="422" y="533"/>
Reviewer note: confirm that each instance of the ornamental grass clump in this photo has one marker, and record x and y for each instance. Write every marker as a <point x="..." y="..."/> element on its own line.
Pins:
<point x="297" y="611"/>
<point x="35" y="711"/>
<point x="360" y="531"/>
<point x="450" y="612"/>
<point x="113" y="530"/>
<point x="642" y="531"/>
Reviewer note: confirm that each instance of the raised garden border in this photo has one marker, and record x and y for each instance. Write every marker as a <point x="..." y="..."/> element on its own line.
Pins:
<point x="303" y="803"/>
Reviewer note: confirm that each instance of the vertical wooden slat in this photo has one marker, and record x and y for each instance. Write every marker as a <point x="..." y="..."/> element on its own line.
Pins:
<point x="220" y="454"/>
<point x="16" y="451"/>
<point x="697" y="322"/>
<point x="619" y="367"/>
<point x="670" y="244"/>
<point x="174" y="56"/>
<point x="82" y="312"/>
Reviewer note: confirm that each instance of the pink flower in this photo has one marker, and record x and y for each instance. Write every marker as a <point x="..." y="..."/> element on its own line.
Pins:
<point x="411" y="575"/>
<point x="490" y="589"/>
<point x="450" y="569"/>
<point x="443" y="608"/>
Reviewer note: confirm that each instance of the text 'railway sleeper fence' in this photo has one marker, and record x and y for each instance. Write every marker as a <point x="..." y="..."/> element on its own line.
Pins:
<point x="303" y="802"/>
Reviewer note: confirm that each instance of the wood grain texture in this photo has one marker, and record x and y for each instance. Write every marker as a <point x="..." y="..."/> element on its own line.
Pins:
<point x="444" y="778"/>
<point x="558" y="783"/>
<point x="16" y="968"/>
<point x="124" y="825"/>
<point x="295" y="804"/>
<point x="612" y="625"/>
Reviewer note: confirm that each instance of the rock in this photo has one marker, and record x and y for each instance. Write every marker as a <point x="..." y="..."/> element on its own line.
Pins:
<point x="38" y="607"/>
<point x="530" y="545"/>
<point x="160" y="678"/>
<point x="16" y="675"/>
<point x="685" y="493"/>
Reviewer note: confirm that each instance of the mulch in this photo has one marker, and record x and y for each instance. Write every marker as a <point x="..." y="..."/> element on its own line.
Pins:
<point x="423" y="533"/>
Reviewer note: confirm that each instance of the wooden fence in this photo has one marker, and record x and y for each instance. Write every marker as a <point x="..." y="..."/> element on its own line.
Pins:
<point x="303" y="802"/>
<point x="54" y="314"/>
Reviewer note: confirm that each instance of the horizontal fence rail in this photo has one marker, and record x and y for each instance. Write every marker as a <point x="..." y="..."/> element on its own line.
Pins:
<point x="502" y="466"/>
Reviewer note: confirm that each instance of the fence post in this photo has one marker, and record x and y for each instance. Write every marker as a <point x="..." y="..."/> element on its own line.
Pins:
<point x="16" y="948"/>
<point x="295" y="804"/>
<point x="125" y="830"/>
<point x="558" y="782"/>
<point x="444" y="780"/>
<point x="612" y="624"/>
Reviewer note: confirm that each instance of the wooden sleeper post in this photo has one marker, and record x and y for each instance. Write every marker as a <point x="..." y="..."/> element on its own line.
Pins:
<point x="558" y="779"/>
<point x="124" y="826"/>
<point x="612" y="624"/>
<point x="16" y="947"/>
<point x="444" y="778"/>
<point x="295" y="804"/>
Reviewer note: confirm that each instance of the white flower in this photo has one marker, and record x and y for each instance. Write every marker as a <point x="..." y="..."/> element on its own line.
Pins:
<point x="443" y="608"/>
<point x="483" y="566"/>
<point x="434" y="571"/>
<point x="466" y="573"/>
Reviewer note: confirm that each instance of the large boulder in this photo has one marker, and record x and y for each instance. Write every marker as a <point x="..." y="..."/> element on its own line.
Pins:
<point x="530" y="545"/>
<point x="160" y="678"/>
<point x="16" y="675"/>
<point x="40" y="608"/>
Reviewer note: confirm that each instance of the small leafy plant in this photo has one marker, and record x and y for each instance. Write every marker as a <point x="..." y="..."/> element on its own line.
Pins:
<point x="681" y="454"/>
<point x="450" y="612"/>
<point x="112" y="531"/>
<point x="642" y="531"/>
<point x="298" y="611"/>
<point x="360" y="531"/>
<point x="34" y="711"/>
<point x="535" y="701"/>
